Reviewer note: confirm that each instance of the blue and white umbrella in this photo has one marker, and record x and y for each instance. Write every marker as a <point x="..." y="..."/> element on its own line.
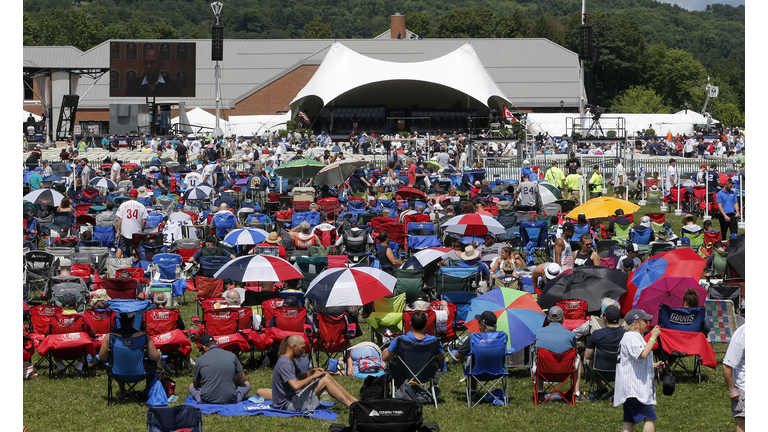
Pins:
<point x="103" y="182"/>
<point x="197" y="193"/>
<point x="245" y="236"/>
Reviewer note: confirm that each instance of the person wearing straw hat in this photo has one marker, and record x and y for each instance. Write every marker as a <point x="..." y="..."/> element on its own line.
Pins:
<point x="471" y="258"/>
<point x="273" y="240"/>
<point x="689" y="225"/>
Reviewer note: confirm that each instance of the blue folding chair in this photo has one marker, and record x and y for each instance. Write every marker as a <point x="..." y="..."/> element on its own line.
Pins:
<point x="126" y="365"/>
<point x="533" y="235"/>
<point x="688" y="320"/>
<point x="223" y="222"/>
<point x="312" y="217"/>
<point x="389" y="205"/>
<point x="421" y="235"/>
<point x="209" y="265"/>
<point x="153" y="222"/>
<point x="487" y="351"/>
<point x="641" y="235"/>
<point x="167" y="266"/>
<point x="416" y="362"/>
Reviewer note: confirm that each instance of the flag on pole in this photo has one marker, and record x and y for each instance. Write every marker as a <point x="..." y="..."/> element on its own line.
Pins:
<point x="508" y="114"/>
<point x="303" y="115"/>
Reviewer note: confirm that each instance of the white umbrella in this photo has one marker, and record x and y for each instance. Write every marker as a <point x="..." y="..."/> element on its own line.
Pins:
<point x="245" y="236"/>
<point x="354" y="286"/>
<point x="44" y="197"/>
<point x="102" y="182"/>
<point x="258" y="268"/>
<point x="473" y="224"/>
<point x="338" y="172"/>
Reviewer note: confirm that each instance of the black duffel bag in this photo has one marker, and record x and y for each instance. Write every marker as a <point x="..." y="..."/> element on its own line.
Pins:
<point x="386" y="415"/>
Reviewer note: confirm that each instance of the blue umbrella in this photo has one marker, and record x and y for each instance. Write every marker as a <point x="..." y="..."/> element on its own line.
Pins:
<point x="245" y="236"/>
<point x="53" y="178"/>
<point x="197" y="193"/>
<point x="103" y="182"/>
<point x="27" y="176"/>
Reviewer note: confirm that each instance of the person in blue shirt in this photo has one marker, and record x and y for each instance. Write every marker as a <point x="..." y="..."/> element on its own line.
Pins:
<point x="35" y="179"/>
<point x="418" y="324"/>
<point x="728" y="205"/>
<point x="526" y="168"/>
<point x="557" y="339"/>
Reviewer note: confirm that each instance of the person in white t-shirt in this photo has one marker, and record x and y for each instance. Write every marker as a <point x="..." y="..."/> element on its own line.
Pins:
<point x="207" y="172"/>
<point x="634" y="387"/>
<point x="672" y="179"/>
<point x="116" y="172"/>
<point x="131" y="219"/>
<point x="192" y="179"/>
<point x="735" y="373"/>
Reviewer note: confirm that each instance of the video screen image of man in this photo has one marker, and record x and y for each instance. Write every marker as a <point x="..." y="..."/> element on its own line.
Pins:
<point x="152" y="83"/>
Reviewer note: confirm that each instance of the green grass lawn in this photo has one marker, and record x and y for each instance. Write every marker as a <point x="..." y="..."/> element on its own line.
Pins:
<point x="80" y="405"/>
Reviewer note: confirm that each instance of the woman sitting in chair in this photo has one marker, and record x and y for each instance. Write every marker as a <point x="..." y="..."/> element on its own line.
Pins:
<point x="386" y="257"/>
<point x="691" y="300"/>
<point x="126" y="330"/>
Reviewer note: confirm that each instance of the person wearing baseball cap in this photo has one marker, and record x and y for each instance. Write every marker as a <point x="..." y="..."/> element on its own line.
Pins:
<point x="606" y="338"/>
<point x="218" y="376"/>
<point x="131" y="219"/>
<point x="179" y="215"/>
<point x="557" y="339"/>
<point x="563" y="251"/>
<point x="634" y="387"/>
<point x="209" y="249"/>
<point x="633" y="252"/>
<point x="486" y="322"/>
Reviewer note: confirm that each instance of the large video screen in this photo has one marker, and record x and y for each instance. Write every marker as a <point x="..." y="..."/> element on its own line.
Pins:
<point x="160" y="69"/>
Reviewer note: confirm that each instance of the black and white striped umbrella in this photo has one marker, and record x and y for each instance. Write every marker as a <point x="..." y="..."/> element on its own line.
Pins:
<point x="44" y="197"/>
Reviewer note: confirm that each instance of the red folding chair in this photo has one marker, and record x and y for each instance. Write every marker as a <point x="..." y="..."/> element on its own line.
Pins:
<point x="40" y="316"/>
<point x="82" y="209"/>
<point x="121" y="288"/>
<point x="431" y="327"/>
<point x="573" y="309"/>
<point x="331" y="336"/>
<point x="552" y="368"/>
<point x="206" y="288"/>
<point x="101" y="322"/>
<point x="449" y="334"/>
<point x="63" y="324"/>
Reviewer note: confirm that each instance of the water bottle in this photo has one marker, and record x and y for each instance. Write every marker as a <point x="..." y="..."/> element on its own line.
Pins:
<point x="474" y="285"/>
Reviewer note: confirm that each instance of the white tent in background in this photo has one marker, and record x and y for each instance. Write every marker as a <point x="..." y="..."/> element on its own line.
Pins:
<point x="344" y="70"/>
<point x="254" y="125"/>
<point x="201" y="117"/>
<point x="27" y="113"/>
<point x="677" y="123"/>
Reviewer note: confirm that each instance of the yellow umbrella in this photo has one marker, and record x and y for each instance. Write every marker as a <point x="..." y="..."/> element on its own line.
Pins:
<point x="603" y="207"/>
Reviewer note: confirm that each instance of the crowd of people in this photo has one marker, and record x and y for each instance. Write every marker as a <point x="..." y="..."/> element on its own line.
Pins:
<point x="438" y="192"/>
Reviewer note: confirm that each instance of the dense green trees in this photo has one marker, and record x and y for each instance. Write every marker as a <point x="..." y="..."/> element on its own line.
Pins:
<point x="645" y="44"/>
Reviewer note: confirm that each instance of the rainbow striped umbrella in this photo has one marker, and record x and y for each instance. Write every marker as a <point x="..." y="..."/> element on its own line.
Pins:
<point x="517" y="313"/>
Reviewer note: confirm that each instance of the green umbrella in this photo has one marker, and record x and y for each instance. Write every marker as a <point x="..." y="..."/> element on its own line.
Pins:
<point x="549" y="193"/>
<point x="434" y="164"/>
<point x="302" y="168"/>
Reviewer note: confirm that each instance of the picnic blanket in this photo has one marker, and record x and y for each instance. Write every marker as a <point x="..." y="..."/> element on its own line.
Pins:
<point x="248" y="407"/>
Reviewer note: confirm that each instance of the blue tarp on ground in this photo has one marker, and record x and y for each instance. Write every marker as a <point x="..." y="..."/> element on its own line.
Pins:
<point x="264" y="408"/>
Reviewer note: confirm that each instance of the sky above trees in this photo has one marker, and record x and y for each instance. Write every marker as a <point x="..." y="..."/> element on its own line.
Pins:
<point x="700" y="5"/>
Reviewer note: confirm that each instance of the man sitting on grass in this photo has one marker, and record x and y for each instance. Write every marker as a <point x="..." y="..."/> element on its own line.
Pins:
<point x="293" y="390"/>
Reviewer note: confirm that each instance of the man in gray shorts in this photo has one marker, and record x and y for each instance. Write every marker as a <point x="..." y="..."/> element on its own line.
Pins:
<point x="293" y="390"/>
<point x="735" y="375"/>
<point x="218" y="376"/>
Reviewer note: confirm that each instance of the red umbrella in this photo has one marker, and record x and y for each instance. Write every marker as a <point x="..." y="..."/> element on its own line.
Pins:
<point x="668" y="291"/>
<point x="407" y="193"/>
<point x="677" y="262"/>
<point x="723" y="178"/>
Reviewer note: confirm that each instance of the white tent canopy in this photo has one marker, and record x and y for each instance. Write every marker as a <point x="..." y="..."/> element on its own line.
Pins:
<point x="254" y="125"/>
<point x="343" y="70"/>
<point x="200" y="117"/>
<point x="678" y="123"/>
<point x="27" y="113"/>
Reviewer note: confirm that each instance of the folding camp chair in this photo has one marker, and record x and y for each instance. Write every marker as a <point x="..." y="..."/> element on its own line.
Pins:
<point x="573" y="309"/>
<point x="566" y="205"/>
<point x="534" y="237"/>
<point x="67" y="346"/>
<point x="61" y="285"/>
<point x="416" y="362"/>
<point x="604" y="368"/>
<point x="429" y="329"/>
<point x="126" y="365"/>
<point x="622" y="231"/>
<point x="553" y="368"/>
<point x="410" y="282"/>
<point x="310" y="267"/>
<point x="640" y="234"/>
<point x="332" y="335"/>
<point x="101" y="321"/>
<point x="174" y="418"/>
<point x="121" y="288"/>
<point x="688" y="320"/>
<point x="167" y="268"/>
<point x="209" y="265"/>
<point x="38" y="271"/>
<point x="207" y="287"/>
<point x="387" y="316"/>
<point x="420" y="235"/>
<point x="487" y="351"/>
<point x="605" y="245"/>
<point x="721" y="317"/>
<point x="510" y="282"/>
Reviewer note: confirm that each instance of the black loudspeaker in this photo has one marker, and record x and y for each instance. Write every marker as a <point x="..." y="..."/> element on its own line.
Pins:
<point x="217" y="43"/>
<point x="387" y="144"/>
<point x="585" y="46"/>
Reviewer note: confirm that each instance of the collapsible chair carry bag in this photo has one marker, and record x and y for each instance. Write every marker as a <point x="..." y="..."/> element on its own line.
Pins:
<point x="387" y="415"/>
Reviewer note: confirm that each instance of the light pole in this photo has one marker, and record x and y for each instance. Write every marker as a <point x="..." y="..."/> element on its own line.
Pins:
<point x="217" y="132"/>
<point x="686" y="107"/>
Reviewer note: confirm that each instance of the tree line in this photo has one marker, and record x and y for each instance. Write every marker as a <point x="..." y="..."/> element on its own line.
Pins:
<point x="654" y="57"/>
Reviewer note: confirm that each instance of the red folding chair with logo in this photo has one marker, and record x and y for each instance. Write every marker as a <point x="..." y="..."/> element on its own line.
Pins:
<point x="101" y="321"/>
<point x="331" y="336"/>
